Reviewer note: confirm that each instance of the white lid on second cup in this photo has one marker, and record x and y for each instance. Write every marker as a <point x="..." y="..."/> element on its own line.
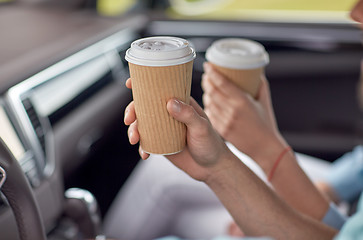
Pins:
<point x="237" y="53"/>
<point x="160" y="51"/>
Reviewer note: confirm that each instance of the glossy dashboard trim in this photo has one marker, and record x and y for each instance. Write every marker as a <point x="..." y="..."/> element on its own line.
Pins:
<point x="2" y="176"/>
<point x="15" y="95"/>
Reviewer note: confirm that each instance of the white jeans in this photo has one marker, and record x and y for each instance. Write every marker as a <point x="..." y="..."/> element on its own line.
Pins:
<point x="159" y="199"/>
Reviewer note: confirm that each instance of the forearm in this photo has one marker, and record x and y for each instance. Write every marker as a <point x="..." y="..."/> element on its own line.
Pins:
<point x="289" y="181"/>
<point x="258" y="210"/>
<point x="293" y="185"/>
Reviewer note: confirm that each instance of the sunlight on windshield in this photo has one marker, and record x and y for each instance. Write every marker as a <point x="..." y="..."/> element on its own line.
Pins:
<point x="114" y="7"/>
<point x="326" y="5"/>
<point x="267" y="10"/>
<point x="257" y="10"/>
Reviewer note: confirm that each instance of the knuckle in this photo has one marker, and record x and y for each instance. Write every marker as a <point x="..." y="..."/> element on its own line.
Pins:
<point x="129" y="107"/>
<point x="210" y="116"/>
<point x="227" y="127"/>
<point x="219" y="80"/>
<point x="233" y="116"/>
<point x="223" y="131"/>
<point x="241" y="101"/>
<point x="206" y="99"/>
<point x="204" y="82"/>
<point x="203" y="128"/>
<point x="189" y="112"/>
<point x="133" y="126"/>
<point x="226" y="131"/>
<point x="212" y="91"/>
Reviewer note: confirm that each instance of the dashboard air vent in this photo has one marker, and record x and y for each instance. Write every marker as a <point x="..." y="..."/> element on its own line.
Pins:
<point x="34" y="119"/>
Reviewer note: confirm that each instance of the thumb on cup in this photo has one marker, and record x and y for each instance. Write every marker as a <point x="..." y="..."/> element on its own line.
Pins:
<point x="191" y="115"/>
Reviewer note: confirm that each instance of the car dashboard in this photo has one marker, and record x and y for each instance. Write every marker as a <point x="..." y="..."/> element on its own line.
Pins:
<point x="37" y="113"/>
<point x="58" y="106"/>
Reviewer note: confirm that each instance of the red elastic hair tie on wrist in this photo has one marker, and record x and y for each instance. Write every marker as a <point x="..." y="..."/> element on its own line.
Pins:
<point x="273" y="169"/>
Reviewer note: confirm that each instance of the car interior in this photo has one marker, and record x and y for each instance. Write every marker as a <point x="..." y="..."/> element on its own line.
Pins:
<point x="64" y="151"/>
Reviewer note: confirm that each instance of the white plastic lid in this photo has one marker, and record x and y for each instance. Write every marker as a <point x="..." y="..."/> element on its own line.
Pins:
<point x="160" y="51"/>
<point x="237" y="53"/>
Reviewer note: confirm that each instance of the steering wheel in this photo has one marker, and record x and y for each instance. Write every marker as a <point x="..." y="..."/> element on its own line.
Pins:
<point x="18" y="192"/>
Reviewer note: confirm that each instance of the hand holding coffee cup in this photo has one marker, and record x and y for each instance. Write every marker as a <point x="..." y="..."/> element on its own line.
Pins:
<point x="160" y="69"/>
<point x="240" y="60"/>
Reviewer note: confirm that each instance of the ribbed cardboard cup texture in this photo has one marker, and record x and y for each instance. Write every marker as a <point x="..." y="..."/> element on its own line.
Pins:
<point x="154" y="82"/>
<point x="241" y="61"/>
<point x="248" y="80"/>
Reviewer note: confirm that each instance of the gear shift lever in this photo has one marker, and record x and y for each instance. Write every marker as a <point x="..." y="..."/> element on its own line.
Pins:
<point x="82" y="207"/>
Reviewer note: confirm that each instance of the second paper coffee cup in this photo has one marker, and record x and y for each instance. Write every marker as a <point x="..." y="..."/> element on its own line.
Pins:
<point x="241" y="60"/>
<point x="160" y="69"/>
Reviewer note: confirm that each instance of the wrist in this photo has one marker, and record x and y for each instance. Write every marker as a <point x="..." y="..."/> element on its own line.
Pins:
<point x="219" y="172"/>
<point x="268" y="155"/>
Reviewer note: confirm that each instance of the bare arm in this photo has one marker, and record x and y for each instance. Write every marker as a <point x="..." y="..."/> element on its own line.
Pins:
<point x="250" y="125"/>
<point x="254" y="206"/>
<point x="258" y="210"/>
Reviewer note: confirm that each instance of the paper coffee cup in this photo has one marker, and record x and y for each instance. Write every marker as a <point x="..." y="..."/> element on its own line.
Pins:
<point x="160" y="69"/>
<point x="240" y="60"/>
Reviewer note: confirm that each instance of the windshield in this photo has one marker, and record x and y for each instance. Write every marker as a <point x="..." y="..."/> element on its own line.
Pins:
<point x="333" y="11"/>
<point x="270" y="10"/>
